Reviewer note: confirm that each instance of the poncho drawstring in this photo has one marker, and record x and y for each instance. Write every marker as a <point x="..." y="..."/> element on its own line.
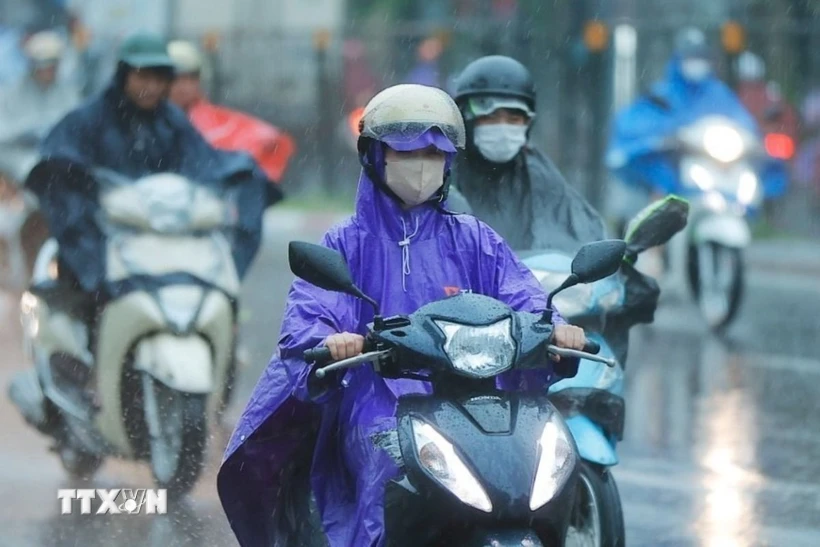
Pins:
<point x="405" y="252"/>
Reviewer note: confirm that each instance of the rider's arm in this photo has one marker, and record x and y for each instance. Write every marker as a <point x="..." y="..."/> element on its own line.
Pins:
<point x="311" y="315"/>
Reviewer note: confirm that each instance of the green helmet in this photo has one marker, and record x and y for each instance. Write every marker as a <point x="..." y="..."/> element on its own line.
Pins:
<point x="145" y="50"/>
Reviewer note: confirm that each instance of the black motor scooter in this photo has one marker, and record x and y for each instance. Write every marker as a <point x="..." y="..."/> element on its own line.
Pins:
<point x="480" y="466"/>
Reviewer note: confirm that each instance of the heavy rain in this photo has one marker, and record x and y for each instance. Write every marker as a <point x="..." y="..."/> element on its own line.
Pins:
<point x="163" y="368"/>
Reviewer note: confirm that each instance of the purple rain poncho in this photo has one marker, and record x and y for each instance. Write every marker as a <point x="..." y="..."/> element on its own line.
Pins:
<point x="433" y="254"/>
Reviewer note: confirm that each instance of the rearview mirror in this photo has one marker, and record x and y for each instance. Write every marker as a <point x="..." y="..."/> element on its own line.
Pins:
<point x="598" y="260"/>
<point x="592" y="262"/>
<point x="320" y="266"/>
<point x="656" y="224"/>
<point x="325" y="268"/>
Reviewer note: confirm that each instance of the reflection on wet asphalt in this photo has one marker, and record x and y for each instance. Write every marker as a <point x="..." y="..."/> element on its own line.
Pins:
<point x="720" y="432"/>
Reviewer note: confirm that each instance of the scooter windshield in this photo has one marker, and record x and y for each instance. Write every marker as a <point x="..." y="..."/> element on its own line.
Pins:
<point x="163" y="225"/>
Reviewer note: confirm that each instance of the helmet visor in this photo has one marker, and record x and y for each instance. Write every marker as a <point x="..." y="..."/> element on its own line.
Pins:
<point x="484" y="105"/>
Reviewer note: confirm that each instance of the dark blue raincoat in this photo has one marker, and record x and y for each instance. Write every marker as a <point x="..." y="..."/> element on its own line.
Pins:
<point x="110" y="132"/>
<point x="404" y="259"/>
<point x="674" y="103"/>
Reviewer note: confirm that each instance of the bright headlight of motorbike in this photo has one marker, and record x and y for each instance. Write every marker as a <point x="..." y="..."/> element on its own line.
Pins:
<point x="747" y="188"/>
<point x="701" y="176"/>
<point x="482" y="351"/>
<point x="556" y="460"/>
<point x="439" y="460"/>
<point x="723" y="143"/>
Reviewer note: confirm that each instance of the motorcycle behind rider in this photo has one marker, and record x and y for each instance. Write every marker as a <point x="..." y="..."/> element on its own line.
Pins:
<point x="132" y="129"/>
<point x="515" y="188"/>
<point x="639" y="152"/>
<point x="29" y="108"/>
<point x="405" y="249"/>
<point x="224" y="128"/>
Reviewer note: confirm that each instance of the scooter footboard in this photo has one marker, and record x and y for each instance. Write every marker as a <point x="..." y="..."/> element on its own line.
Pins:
<point x="183" y="363"/>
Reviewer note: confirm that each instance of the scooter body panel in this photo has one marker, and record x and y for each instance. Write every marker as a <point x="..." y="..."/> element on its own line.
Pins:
<point x="593" y="444"/>
<point x="496" y="436"/>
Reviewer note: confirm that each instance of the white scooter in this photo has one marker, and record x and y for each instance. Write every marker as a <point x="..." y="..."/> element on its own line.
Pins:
<point x="153" y="376"/>
<point x="717" y="171"/>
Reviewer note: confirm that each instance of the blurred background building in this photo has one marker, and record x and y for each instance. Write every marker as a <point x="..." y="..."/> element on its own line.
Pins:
<point x="307" y="65"/>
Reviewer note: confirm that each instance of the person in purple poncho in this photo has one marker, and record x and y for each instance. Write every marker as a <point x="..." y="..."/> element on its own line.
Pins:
<point x="404" y="249"/>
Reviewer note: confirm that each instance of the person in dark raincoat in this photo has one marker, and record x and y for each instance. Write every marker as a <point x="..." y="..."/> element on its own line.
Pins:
<point x="132" y="129"/>
<point x="506" y="182"/>
<point x="638" y="153"/>
<point x="405" y="250"/>
<point x="519" y="192"/>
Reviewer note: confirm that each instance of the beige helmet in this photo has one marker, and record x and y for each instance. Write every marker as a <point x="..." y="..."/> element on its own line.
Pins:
<point x="44" y="48"/>
<point x="186" y="57"/>
<point x="404" y="112"/>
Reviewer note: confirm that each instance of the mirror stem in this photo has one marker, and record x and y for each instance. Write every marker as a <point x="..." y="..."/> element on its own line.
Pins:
<point x="570" y="281"/>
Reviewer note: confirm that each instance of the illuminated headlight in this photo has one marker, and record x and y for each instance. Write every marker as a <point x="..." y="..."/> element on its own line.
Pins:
<point x="715" y="202"/>
<point x="747" y="188"/>
<point x="556" y="460"/>
<point x="723" y="143"/>
<point x="438" y="458"/>
<point x="701" y="176"/>
<point x="479" y="351"/>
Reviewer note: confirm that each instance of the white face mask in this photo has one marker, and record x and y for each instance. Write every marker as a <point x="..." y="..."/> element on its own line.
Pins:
<point x="696" y="70"/>
<point x="499" y="143"/>
<point x="414" y="180"/>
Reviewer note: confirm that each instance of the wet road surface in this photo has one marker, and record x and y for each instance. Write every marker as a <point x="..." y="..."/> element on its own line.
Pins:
<point x="721" y="434"/>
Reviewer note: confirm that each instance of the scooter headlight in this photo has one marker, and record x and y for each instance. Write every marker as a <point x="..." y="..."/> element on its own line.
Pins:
<point x="701" y="176"/>
<point x="723" y="143"/>
<point x="747" y="188"/>
<point x="480" y="352"/>
<point x="556" y="460"/>
<point x="439" y="460"/>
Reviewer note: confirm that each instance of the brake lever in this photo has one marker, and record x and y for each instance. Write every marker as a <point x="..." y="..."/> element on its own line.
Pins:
<point x="350" y="363"/>
<point x="564" y="352"/>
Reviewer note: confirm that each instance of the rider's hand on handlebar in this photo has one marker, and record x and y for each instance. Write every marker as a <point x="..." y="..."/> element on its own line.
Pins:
<point x="344" y="345"/>
<point x="568" y="337"/>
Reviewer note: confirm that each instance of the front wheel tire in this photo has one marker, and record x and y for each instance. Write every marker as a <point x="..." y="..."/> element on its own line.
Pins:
<point x="597" y="519"/>
<point x="178" y="448"/>
<point x="718" y="299"/>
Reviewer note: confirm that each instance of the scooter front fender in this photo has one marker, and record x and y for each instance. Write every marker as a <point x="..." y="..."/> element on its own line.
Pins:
<point x="727" y="230"/>
<point x="593" y="445"/>
<point x="183" y="363"/>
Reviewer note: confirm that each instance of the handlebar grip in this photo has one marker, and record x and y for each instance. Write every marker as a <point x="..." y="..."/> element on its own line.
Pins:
<point x="592" y="347"/>
<point x="320" y="356"/>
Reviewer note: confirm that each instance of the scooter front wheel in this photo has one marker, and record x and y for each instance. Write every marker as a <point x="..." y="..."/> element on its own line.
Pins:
<point x="716" y="275"/>
<point x="178" y="430"/>
<point x="597" y="519"/>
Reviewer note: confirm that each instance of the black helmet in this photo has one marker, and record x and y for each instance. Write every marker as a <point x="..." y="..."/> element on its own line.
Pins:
<point x="495" y="75"/>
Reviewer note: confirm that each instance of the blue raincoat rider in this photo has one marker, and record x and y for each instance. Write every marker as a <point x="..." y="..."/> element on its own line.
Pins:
<point x="405" y="249"/>
<point x="132" y="129"/>
<point x="637" y="153"/>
